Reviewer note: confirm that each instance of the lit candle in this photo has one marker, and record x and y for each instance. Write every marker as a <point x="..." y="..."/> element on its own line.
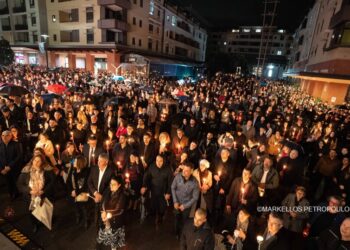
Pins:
<point x="234" y="144"/>
<point x="127" y="175"/>
<point x="204" y="181"/>
<point x="118" y="164"/>
<point x="72" y="136"/>
<point x="107" y="144"/>
<point x="142" y="158"/>
<point x="58" y="151"/>
<point x="109" y="215"/>
<point x="285" y="167"/>
<point x="242" y="191"/>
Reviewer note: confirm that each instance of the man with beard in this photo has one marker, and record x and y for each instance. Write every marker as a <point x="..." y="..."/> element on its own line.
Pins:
<point x="157" y="180"/>
<point x="56" y="134"/>
<point x="208" y="147"/>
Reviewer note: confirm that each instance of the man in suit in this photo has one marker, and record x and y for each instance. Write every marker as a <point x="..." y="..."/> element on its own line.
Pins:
<point x="98" y="181"/>
<point x="91" y="151"/>
<point x="276" y="237"/>
<point x="147" y="150"/>
<point x="10" y="159"/>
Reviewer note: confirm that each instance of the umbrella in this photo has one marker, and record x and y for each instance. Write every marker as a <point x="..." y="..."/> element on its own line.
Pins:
<point x="49" y="97"/>
<point x="118" y="78"/>
<point x="148" y="89"/>
<point x="167" y="101"/>
<point x="13" y="90"/>
<point x="184" y="98"/>
<point x="56" y="88"/>
<point x="75" y="89"/>
<point x="115" y="101"/>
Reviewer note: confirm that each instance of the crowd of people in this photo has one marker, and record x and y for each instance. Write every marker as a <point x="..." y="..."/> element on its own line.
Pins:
<point x="225" y="151"/>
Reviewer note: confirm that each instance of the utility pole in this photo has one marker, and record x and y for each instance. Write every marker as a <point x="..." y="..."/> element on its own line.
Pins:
<point x="270" y="8"/>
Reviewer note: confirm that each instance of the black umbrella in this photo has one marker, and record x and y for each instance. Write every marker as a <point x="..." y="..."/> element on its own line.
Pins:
<point x="115" y="101"/>
<point x="13" y="90"/>
<point x="178" y="118"/>
<point x="49" y="97"/>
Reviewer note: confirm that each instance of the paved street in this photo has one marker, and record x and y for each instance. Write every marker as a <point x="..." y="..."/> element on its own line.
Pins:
<point x="66" y="235"/>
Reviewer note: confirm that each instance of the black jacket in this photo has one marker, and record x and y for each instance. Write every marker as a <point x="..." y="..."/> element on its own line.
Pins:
<point x="193" y="238"/>
<point x="93" y="180"/>
<point x="279" y="241"/>
<point x="79" y="180"/>
<point x="158" y="180"/>
<point x="10" y="156"/>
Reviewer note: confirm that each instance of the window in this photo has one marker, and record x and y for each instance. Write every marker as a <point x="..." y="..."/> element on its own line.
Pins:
<point x="173" y="20"/>
<point x="32" y="3"/>
<point x="90" y="36"/>
<point x="140" y="42"/>
<point x="279" y="52"/>
<point x="141" y="3"/>
<point x="150" y="28"/>
<point x="133" y="41"/>
<point x="149" y="43"/>
<point x="53" y="18"/>
<point x="134" y="20"/>
<point x="157" y="30"/>
<point x="33" y="19"/>
<point x="167" y="48"/>
<point x="35" y="36"/>
<point x="168" y="18"/>
<point x="157" y="45"/>
<point x="55" y="37"/>
<point x="140" y="23"/>
<point x="151" y="7"/>
<point x="158" y="13"/>
<point x="89" y="14"/>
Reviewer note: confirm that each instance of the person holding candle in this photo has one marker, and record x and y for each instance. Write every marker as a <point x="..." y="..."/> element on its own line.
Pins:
<point x="242" y="192"/>
<point x="121" y="153"/>
<point x="133" y="177"/>
<point x="205" y="179"/>
<point x="91" y="151"/>
<point x="147" y="150"/>
<point x="77" y="185"/>
<point x="111" y="220"/>
<point x="47" y="146"/>
<point x="179" y="142"/>
<point x="157" y="179"/>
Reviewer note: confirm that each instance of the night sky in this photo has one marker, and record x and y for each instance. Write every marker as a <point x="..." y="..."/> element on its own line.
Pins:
<point x="230" y="13"/>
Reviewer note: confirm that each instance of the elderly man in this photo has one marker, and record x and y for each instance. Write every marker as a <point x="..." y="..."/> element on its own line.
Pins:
<point x="276" y="237"/>
<point x="10" y="160"/>
<point x="197" y="235"/>
<point x="185" y="192"/>
<point x="336" y="238"/>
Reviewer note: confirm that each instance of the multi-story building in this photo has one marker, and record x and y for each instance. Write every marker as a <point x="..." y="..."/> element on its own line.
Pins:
<point x="321" y="53"/>
<point x="246" y="40"/>
<point x="22" y="22"/>
<point x="133" y="37"/>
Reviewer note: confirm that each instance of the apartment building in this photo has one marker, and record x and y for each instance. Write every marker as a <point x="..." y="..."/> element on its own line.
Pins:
<point x="321" y="52"/>
<point x="246" y="40"/>
<point x="125" y="37"/>
<point x="22" y="22"/>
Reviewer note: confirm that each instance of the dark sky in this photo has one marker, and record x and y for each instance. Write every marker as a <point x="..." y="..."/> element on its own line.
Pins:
<point x="230" y="13"/>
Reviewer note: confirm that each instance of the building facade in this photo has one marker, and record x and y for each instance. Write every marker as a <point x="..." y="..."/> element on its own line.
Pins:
<point x="125" y="37"/>
<point x="246" y="41"/>
<point x="321" y="52"/>
<point x="22" y="22"/>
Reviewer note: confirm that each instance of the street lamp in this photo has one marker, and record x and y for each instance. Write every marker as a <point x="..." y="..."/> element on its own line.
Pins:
<point x="45" y="36"/>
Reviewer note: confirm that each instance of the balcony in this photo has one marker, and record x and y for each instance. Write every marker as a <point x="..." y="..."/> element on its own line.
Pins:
<point x="125" y="4"/>
<point x="112" y="24"/>
<point x="342" y="16"/>
<point x="21" y="26"/>
<point x="4" y="11"/>
<point x="6" y="27"/>
<point x="18" y="9"/>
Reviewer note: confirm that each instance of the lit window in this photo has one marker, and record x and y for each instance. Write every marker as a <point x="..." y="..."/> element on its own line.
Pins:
<point x="281" y="31"/>
<point x="258" y="30"/>
<point x="279" y="52"/>
<point x="225" y="43"/>
<point x="269" y="74"/>
<point x="235" y="31"/>
<point x="173" y="20"/>
<point x="53" y="18"/>
<point x="246" y="30"/>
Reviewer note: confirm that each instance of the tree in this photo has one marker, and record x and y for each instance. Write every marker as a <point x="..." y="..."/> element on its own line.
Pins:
<point x="7" y="55"/>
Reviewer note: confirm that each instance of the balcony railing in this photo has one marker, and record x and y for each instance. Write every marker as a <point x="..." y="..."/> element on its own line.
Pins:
<point x="342" y="16"/>
<point x="112" y="24"/>
<point x="6" y="28"/>
<point x="18" y="9"/>
<point x="21" y="26"/>
<point x="4" y="11"/>
<point x="125" y="4"/>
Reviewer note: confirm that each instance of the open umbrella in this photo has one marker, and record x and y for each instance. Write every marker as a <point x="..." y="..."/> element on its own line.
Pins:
<point x="56" y="89"/>
<point x="13" y="90"/>
<point x="115" y="101"/>
<point x="118" y="78"/>
<point x="49" y="97"/>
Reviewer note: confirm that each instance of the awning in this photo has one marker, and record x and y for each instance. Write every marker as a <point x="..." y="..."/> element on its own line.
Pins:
<point x="158" y="60"/>
<point x="321" y="77"/>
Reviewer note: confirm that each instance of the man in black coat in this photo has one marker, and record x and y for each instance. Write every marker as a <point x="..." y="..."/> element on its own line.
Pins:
<point x="10" y="159"/>
<point x="91" y="151"/>
<point x="276" y="237"/>
<point x="98" y="181"/>
<point x="197" y="235"/>
<point x="335" y="237"/>
<point x="147" y="150"/>
<point x="56" y="134"/>
<point x="6" y="119"/>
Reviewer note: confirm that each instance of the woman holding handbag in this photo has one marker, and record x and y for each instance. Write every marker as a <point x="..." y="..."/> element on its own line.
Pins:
<point x="111" y="230"/>
<point x="78" y="189"/>
<point x="36" y="184"/>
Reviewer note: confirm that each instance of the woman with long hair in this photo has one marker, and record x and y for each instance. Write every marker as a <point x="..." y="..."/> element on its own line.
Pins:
<point x="112" y="225"/>
<point x="36" y="184"/>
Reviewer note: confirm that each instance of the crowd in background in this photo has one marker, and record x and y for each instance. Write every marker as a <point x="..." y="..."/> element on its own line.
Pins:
<point x="218" y="150"/>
